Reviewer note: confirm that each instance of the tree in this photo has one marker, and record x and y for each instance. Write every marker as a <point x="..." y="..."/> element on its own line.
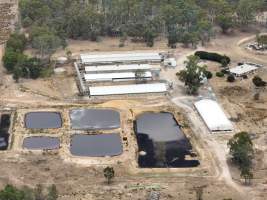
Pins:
<point x="38" y="192"/>
<point x="258" y="82"/>
<point x="109" y="174"/>
<point x="224" y="62"/>
<point x="17" y="73"/>
<point x="247" y="174"/>
<point x="261" y="40"/>
<point x="259" y="86"/>
<point x="225" y="22"/>
<point x="10" y="59"/>
<point x="11" y="193"/>
<point x="192" y="75"/>
<point x="172" y="39"/>
<point x="149" y="36"/>
<point x="16" y="42"/>
<point x="52" y="193"/>
<point x="69" y="54"/>
<point x="246" y="11"/>
<point x="208" y="74"/>
<point x="231" y="78"/>
<point x="46" y="42"/>
<point x="241" y="150"/>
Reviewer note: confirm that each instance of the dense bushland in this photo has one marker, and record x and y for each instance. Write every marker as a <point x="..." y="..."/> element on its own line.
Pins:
<point x="185" y="21"/>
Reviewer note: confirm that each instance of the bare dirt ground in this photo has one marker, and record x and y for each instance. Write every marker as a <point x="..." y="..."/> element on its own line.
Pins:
<point x="81" y="180"/>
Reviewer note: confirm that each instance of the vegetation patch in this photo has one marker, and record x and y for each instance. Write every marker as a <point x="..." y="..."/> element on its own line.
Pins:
<point x="204" y="55"/>
<point x="20" y="65"/>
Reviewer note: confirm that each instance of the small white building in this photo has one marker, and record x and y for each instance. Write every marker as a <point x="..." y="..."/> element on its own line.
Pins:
<point x="213" y="115"/>
<point x="244" y="69"/>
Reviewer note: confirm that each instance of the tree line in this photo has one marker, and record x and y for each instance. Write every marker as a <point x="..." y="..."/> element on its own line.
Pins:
<point x="190" y="22"/>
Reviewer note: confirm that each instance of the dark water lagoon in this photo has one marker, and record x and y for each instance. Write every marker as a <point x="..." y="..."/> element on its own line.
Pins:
<point x="94" y="119"/>
<point x="43" y="120"/>
<point x="41" y="143"/>
<point x="4" y="128"/>
<point x="96" y="145"/>
<point x="161" y="142"/>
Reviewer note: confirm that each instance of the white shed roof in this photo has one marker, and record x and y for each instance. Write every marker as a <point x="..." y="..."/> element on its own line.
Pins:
<point x="104" y="68"/>
<point x="110" y="76"/>
<point x="243" y="69"/>
<point x="128" y="89"/>
<point x="213" y="115"/>
<point x="122" y="57"/>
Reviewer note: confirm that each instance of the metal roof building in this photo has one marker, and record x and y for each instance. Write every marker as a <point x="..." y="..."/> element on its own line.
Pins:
<point x="115" y="76"/>
<point x="119" y="68"/>
<point x="243" y="69"/>
<point x="89" y="59"/>
<point x="213" y="115"/>
<point x="128" y="89"/>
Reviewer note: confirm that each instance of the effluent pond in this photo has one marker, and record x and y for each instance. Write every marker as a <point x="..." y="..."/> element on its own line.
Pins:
<point x="43" y="120"/>
<point x="94" y="119"/>
<point x="161" y="142"/>
<point x="41" y="143"/>
<point x="4" y="128"/>
<point x="96" y="145"/>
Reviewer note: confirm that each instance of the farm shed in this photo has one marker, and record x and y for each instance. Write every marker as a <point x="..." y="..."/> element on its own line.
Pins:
<point x="213" y="115"/>
<point x="120" y="68"/>
<point x="128" y="89"/>
<point x="91" y="59"/>
<point x="244" y="69"/>
<point x="116" y="76"/>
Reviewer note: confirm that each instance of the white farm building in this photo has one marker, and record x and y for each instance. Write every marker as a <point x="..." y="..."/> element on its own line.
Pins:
<point x="120" y="68"/>
<point x="244" y="69"/>
<point x="94" y="59"/>
<point x="128" y="89"/>
<point x="99" y="74"/>
<point x="125" y="76"/>
<point x="213" y="115"/>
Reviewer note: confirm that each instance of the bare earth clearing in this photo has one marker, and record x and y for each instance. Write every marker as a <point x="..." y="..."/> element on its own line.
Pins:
<point x="83" y="178"/>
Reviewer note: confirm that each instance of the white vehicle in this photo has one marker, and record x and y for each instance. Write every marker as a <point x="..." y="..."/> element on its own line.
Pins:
<point x="170" y="62"/>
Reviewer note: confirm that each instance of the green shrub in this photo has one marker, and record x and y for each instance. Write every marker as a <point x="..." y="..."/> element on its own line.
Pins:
<point x="219" y="74"/>
<point x="225" y="71"/>
<point x="258" y="82"/>
<point x="10" y="59"/>
<point x="208" y="74"/>
<point x="224" y="60"/>
<point x="231" y="78"/>
<point x="16" y="42"/>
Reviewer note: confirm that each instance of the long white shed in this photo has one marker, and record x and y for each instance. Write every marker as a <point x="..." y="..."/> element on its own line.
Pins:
<point x="115" y="76"/>
<point x="120" y="58"/>
<point x="213" y="115"/>
<point x="119" y="68"/>
<point x="128" y="89"/>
